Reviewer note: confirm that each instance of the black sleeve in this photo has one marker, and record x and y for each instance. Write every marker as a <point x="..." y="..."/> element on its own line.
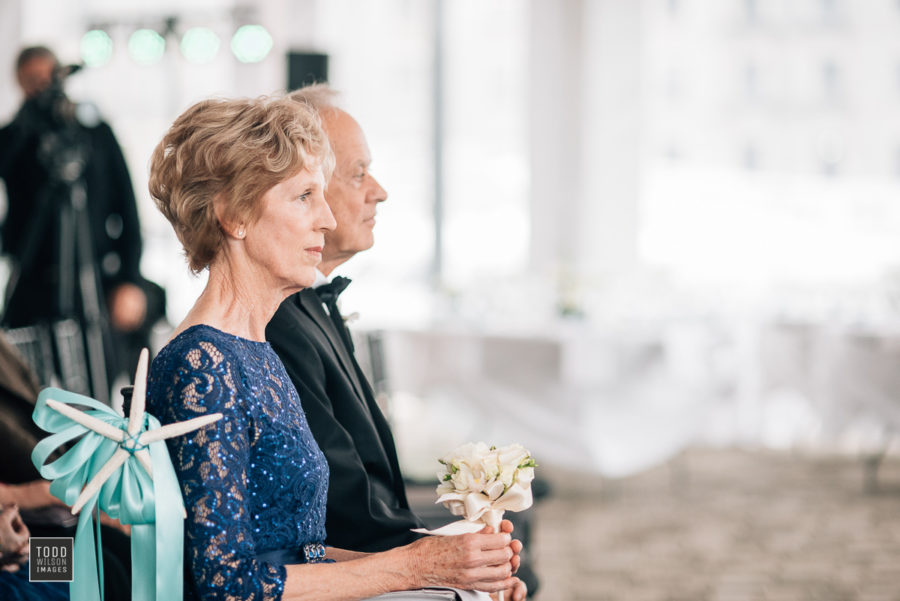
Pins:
<point x="13" y="138"/>
<point x="22" y="175"/>
<point x="8" y="144"/>
<point x="363" y="511"/>
<point x="112" y="183"/>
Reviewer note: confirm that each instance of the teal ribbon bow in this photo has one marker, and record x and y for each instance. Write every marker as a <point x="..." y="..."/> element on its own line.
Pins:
<point x="152" y="506"/>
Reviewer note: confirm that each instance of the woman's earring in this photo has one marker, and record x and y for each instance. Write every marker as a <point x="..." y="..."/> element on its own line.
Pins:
<point x="241" y="233"/>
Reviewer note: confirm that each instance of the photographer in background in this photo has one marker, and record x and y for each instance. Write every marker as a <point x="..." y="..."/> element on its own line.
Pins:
<point x="71" y="226"/>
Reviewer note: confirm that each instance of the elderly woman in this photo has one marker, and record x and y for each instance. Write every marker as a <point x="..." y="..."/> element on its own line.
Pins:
<point x="242" y="183"/>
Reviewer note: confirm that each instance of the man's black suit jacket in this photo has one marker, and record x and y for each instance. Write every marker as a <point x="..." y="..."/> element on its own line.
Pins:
<point x="367" y="505"/>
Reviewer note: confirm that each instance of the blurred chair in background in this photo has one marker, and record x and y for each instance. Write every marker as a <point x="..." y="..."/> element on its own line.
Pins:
<point x="858" y="382"/>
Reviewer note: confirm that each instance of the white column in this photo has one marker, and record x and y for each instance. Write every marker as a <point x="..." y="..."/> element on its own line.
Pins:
<point x="555" y="108"/>
<point x="609" y="137"/>
<point x="10" y="41"/>
<point x="585" y="125"/>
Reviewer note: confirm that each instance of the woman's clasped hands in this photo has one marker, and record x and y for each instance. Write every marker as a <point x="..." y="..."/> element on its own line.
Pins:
<point x="485" y="561"/>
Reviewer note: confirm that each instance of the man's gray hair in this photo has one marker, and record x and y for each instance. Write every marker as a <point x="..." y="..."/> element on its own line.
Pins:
<point x="319" y="96"/>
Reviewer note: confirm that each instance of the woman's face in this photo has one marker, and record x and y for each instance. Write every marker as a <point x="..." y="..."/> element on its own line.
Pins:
<point x="286" y="242"/>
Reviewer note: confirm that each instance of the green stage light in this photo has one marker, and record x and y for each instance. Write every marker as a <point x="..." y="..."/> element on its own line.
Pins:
<point x="96" y="48"/>
<point x="251" y="43"/>
<point x="199" y="45"/>
<point x="146" y="46"/>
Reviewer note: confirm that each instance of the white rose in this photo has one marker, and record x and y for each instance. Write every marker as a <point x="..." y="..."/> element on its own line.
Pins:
<point x="470" y="453"/>
<point x="508" y="475"/>
<point x="446" y="486"/>
<point x="514" y="454"/>
<point x="494" y="490"/>
<point x="525" y="476"/>
<point x="492" y="464"/>
<point x="461" y="478"/>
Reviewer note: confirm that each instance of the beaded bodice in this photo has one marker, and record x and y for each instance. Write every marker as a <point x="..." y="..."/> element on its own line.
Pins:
<point x="253" y="482"/>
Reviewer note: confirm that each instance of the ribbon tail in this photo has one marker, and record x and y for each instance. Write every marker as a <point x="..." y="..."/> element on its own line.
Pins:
<point x="453" y="528"/>
<point x="143" y="562"/>
<point x="517" y="498"/>
<point x="100" y="579"/>
<point x="85" y="585"/>
<point x="169" y="529"/>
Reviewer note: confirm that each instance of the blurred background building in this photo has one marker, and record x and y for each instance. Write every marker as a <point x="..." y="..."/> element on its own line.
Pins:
<point x="616" y="230"/>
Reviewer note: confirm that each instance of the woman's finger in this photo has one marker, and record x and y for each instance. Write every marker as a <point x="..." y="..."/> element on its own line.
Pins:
<point x="493" y="541"/>
<point x="497" y="557"/>
<point x="8" y="513"/>
<point x="17" y="524"/>
<point x="494" y="586"/>
<point x="490" y="574"/>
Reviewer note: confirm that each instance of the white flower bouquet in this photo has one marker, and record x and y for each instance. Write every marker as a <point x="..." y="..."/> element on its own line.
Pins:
<point x="479" y="483"/>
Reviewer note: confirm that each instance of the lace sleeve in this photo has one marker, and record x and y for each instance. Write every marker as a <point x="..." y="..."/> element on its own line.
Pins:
<point x="212" y="465"/>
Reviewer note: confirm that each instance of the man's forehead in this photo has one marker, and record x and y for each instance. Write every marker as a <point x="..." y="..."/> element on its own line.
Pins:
<point x="347" y="138"/>
<point x="42" y="62"/>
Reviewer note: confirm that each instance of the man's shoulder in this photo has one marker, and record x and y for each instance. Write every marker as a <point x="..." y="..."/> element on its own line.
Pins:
<point x="293" y="328"/>
<point x="290" y="316"/>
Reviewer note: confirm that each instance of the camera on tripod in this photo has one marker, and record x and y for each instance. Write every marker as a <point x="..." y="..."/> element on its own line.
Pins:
<point x="50" y="108"/>
<point x="54" y="119"/>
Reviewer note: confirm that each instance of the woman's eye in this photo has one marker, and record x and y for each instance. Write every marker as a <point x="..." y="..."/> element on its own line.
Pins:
<point x="304" y="197"/>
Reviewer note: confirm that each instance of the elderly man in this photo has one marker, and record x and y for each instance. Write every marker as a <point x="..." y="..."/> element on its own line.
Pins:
<point x="367" y="505"/>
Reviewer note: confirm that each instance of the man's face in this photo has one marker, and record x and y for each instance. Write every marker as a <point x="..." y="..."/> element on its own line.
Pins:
<point x="352" y="192"/>
<point x="35" y="75"/>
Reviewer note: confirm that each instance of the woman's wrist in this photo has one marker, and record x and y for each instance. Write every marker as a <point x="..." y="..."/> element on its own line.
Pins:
<point x="28" y="495"/>
<point x="404" y="571"/>
<point x="6" y="495"/>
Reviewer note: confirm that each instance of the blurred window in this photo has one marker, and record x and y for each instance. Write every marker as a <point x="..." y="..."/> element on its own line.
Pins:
<point x="750" y="157"/>
<point x="751" y="83"/>
<point x="672" y="6"/>
<point x="776" y="171"/>
<point x="830" y="80"/>
<point x="484" y="144"/>
<point x="751" y="12"/>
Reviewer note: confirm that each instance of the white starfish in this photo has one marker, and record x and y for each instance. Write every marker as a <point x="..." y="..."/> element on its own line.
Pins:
<point x="130" y="440"/>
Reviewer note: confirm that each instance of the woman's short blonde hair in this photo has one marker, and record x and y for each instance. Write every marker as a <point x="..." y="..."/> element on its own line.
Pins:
<point x="230" y="152"/>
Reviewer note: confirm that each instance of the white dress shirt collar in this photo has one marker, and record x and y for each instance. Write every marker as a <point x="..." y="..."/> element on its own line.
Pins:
<point x="320" y="280"/>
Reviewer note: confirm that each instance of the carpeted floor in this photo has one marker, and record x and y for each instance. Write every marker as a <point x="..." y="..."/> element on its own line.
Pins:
<point x="722" y="525"/>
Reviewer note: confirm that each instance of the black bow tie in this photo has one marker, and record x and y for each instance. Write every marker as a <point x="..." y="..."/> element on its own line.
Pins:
<point x="328" y="293"/>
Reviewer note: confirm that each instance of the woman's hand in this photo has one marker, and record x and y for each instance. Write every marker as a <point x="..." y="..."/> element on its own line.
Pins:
<point x="515" y="545"/>
<point x="127" y="307"/>
<point x="13" y="533"/>
<point x="519" y="591"/>
<point x="480" y="561"/>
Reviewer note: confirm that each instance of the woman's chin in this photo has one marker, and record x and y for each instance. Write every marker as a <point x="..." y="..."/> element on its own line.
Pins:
<point x="306" y="281"/>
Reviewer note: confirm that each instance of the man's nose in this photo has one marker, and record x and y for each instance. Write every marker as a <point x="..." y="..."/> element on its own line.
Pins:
<point x="379" y="194"/>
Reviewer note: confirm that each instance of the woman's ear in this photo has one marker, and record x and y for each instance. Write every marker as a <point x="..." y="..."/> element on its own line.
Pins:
<point x="230" y="227"/>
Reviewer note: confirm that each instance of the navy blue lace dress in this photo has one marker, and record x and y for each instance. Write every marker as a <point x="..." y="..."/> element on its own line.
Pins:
<point x="254" y="482"/>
